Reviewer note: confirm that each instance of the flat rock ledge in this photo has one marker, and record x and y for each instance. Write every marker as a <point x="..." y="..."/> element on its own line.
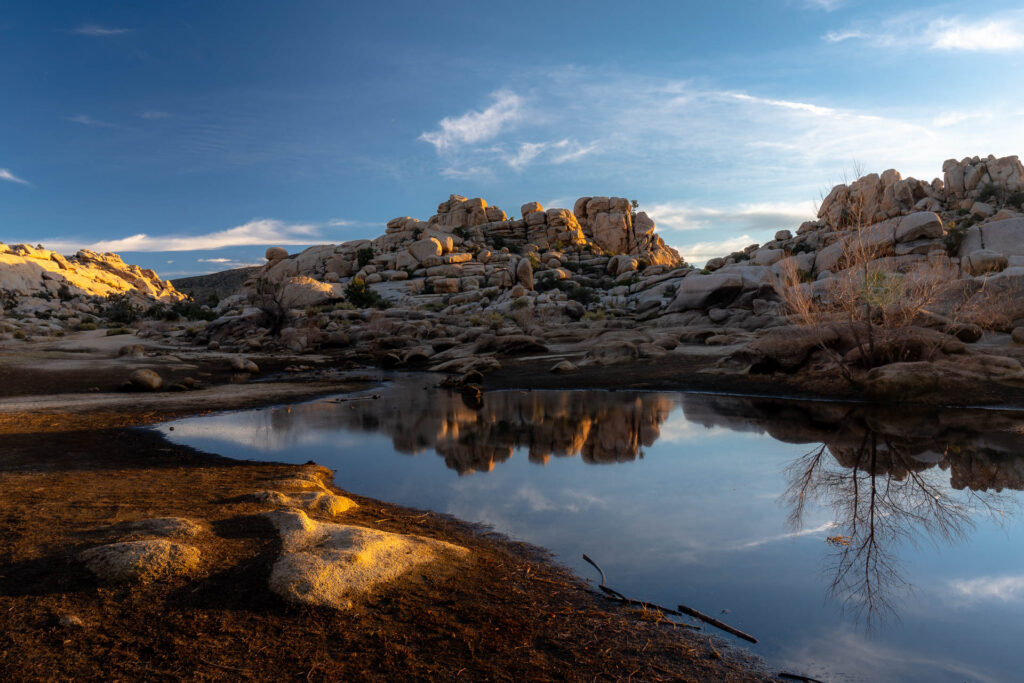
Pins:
<point x="141" y="561"/>
<point x="328" y="565"/>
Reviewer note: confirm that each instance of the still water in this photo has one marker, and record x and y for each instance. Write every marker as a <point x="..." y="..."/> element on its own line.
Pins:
<point x="856" y="543"/>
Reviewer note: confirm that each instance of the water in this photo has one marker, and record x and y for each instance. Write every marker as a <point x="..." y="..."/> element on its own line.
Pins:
<point x="856" y="543"/>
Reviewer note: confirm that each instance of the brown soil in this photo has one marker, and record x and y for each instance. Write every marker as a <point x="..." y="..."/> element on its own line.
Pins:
<point x="68" y="482"/>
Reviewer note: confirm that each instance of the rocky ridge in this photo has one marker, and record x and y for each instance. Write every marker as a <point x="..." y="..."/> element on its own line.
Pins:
<point x="468" y="288"/>
<point x="44" y="293"/>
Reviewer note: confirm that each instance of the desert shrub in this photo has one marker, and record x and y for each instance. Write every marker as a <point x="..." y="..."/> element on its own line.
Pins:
<point x="498" y="242"/>
<point x="460" y="232"/>
<point x="86" y="327"/>
<point x="64" y="292"/>
<point x="802" y="248"/>
<point x="954" y="237"/>
<point x="1016" y="199"/>
<point x="364" y="256"/>
<point x="583" y="295"/>
<point x="120" y="309"/>
<point x="115" y="331"/>
<point x="19" y="334"/>
<point x="361" y="296"/>
<point x="599" y="314"/>
<point x="988" y="192"/>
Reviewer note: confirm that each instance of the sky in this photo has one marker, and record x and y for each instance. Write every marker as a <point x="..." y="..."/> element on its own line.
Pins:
<point x="189" y="136"/>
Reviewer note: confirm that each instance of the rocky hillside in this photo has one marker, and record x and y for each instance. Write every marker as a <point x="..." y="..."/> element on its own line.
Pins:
<point x="894" y="271"/>
<point x="42" y="292"/>
<point x="216" y="286"/>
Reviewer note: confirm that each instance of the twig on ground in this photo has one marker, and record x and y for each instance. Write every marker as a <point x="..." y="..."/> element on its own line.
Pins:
<point x="716" y="623"/>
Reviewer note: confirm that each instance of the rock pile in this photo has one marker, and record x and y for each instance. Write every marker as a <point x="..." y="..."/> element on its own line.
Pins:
<point x="45" y="293"/>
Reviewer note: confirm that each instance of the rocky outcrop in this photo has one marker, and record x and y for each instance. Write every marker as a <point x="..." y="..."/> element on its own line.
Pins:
<point x="331" y="565"/>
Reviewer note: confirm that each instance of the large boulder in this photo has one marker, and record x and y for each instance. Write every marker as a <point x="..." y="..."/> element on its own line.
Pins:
<point x="919" y="225"/>
<point x="704" y="291"/>
<point x="425" y="248"/>
<point x="331" y="565"/>
<point x="1005" y="237"/>
<point x="145" y="380"/>
<point x="524" y="273"/>
<point x="276" y="253"/>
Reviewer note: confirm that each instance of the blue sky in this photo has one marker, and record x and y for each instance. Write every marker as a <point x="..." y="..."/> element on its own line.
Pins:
<point x="187" y="136"/>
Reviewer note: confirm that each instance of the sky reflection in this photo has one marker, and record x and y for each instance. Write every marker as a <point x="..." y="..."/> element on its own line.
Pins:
<point x="716" y="502"/>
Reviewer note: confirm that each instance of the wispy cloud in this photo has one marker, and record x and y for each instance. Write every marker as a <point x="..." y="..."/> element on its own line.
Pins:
<point x="476" y="126"/>
<point x="10" y="177"/>
<point x="87" y="120"/>
<point x="996" y="33"/>
<point x="257" y="232"/>
<point x="758" y="216"/>
<point x="989" y="588"/>
<point x="827" y="5"/>
<point x="98" y="31"/>
<point x="154" y="114"/>
<point x="698" y="253"/>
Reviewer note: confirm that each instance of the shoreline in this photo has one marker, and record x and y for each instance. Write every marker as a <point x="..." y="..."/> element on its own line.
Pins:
<point x="71" y="454"/>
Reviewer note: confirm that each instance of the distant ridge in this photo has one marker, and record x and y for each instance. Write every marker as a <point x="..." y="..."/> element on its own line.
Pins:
<point x="222" y="284"/>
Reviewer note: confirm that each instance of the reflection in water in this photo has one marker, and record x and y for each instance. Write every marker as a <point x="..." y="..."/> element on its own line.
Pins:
<point x="882" y="474"/>
<point x="881" y="498"/>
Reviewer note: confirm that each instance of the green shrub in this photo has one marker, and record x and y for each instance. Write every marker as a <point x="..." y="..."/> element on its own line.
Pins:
<point x="64" y="292"/>
<point x="364" y="256"/>
<point x="115" y="331"/>
<point x="990" y="191"/>
<point x="802" y="248"/>
<point x="1016" y="199"/>
<point x="361" y="296"/>
<point x="120" y="309"/>
<point x="19" y="334"/>
<point x="86" y="327"/>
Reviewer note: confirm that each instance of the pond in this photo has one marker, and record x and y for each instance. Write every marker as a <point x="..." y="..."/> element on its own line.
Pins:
<point x="855" y="542"/>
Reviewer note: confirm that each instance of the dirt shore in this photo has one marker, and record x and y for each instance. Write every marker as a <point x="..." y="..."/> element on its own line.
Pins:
<point x="75" y="468"/>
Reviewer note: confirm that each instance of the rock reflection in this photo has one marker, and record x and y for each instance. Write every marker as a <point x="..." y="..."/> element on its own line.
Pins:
<point x="609" y="427"/>
<point x="882" y="473"/>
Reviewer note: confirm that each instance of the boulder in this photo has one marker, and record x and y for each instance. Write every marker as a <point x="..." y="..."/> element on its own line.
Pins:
<point x="332" y="565"/>
<point x="567" y="366"/>
<point x="983" y="261"/>
<point x="141" y="561"/>
<point x="240" y="364"/>
<point x="276" y="253"/>
<point x="524" y="273"/>
<point x="145" y="380"/>
<point x="919" y="225"/>
<point x="425" y="248"/>
<point x="318" y="502"/>
<point x="705" y="291"/>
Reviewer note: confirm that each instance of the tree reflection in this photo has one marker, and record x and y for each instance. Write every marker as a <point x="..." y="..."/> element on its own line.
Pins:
<point x="881" y="498"/>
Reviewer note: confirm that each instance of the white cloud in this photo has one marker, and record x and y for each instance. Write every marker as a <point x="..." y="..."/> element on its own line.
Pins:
<point x="1002" y="33"/>
<point x="475" y="126"/>
<point x="990" y="35"/>
<point x="87" y="120"/>
<point x="10" y="177"/>
<point x="793" y="534"/>
<point x="757" y="216"/>
<point x="100" y="31"/>
<point x="212" y="260"/>
<point x="991" y="588"/>
<point x="827" y="5"/>
<point x="698" y="253"/>
<point x="258" y="232"/>
<point x="154" y="114"/>
<point x="527" y="152"/>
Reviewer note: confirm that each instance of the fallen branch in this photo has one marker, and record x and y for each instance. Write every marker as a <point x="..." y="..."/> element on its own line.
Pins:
<point x="613" y="594"/>
<point x="716" y="623"/>
<point x="798" y="677"/>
